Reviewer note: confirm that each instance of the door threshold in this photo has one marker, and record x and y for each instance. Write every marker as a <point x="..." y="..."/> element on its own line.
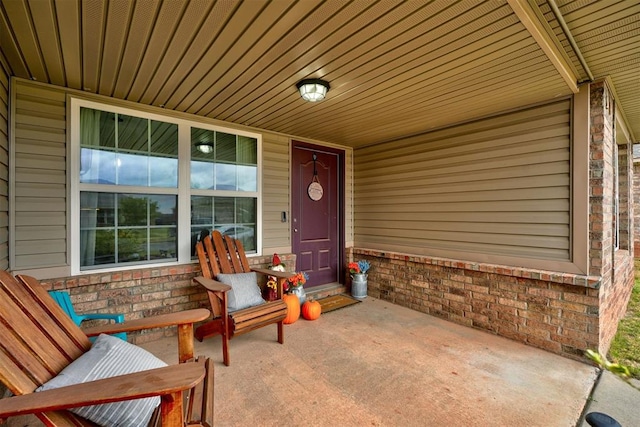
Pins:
<point x="323" y="291"/>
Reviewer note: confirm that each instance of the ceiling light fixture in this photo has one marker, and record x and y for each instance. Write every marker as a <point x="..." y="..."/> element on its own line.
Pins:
<point x="313" y="90"/>
<point x="204" y="147"/>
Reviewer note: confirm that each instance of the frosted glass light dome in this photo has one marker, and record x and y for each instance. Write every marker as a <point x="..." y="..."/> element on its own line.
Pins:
<point x="313" y="90"/>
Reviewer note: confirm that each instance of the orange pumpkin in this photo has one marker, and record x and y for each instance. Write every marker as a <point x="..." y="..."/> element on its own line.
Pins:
<point x="311" y="310"/>
<point x="293" y="308"/>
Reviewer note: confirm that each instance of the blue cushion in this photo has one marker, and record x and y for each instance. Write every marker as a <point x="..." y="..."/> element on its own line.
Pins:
<point x="244" y="292"/>
<point x="109" y="357"/>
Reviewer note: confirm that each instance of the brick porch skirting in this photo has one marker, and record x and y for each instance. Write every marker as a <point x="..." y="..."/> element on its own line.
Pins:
<point x="558" y="312"/>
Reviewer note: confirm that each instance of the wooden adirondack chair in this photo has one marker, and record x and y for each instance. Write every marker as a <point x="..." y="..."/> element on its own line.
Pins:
<point x="38" y="340"/>
<point x="217" y="254"/>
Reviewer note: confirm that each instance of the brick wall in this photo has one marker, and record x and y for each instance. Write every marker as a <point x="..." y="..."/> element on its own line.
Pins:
<point x="142" y="292"/>
<point x="614" y="299"/>
<point x="553" y="311"/>
<point x="614" y="266"/>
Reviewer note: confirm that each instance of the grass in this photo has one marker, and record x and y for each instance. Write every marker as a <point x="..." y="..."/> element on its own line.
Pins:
<point x="625" y="348"/>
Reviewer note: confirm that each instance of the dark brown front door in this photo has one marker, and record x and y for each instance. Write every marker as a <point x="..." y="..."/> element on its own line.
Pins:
<point x="316" y="216"/>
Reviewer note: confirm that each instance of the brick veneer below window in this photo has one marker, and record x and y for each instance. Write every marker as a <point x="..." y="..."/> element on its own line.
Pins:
<point x="143" y="292"/>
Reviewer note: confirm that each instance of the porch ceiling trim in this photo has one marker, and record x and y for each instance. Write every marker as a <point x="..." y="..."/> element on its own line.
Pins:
<point x="527" y="15"/>
<point x="621" y="117"/>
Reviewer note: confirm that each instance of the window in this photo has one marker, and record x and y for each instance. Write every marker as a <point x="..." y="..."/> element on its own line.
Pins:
<point x="225" y="163"/>
<point x="145" y="187"/>
<point x="235" y="216"/>
<point x="118" y="228"/>
<point x="622" y="187"/>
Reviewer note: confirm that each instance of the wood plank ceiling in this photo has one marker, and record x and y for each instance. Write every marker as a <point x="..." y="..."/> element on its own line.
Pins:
<point x="395" y="68"/>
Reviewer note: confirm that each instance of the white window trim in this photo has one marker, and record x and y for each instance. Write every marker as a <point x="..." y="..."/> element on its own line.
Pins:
<point x="184" y="191"/>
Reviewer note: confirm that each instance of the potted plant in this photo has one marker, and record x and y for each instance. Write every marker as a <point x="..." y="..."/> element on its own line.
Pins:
<point x="295" y="285"/>
<point x="359" y="276"/>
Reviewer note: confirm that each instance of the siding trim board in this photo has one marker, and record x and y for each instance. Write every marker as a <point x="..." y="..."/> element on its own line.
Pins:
<point x="5" y="91"/>
<point x="580" y="152"/>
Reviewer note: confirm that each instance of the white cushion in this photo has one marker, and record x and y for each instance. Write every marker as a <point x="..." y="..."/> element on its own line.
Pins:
<point x="244" y="292"/>
<point x="109" y="357"/>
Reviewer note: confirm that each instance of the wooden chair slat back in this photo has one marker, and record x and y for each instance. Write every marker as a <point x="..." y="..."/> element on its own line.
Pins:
<point x="205" y="265"/>
<point x="37" y="339"/>
<point x="219" y="253"/>
<point x="67" y="335"/>
<point x="237" y="256"/>
<point x="11" y="373"/>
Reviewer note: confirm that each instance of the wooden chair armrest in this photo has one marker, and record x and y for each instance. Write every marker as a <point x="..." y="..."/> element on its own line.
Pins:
<point x="212" y="285"/>
<point x="154" y="382"/>
<point x="274" y="273"/>
<point x="161" y="321"/>
<point x="281" y="277"/>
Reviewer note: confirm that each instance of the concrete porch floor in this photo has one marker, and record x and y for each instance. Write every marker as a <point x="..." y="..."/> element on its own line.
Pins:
<point x="379" y="364"/>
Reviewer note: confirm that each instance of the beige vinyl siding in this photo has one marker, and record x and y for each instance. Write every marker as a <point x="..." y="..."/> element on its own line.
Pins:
<point x="275" y="192"/>
<point x="40" y="183"/>
<point x="4" y="164"/>
<point x="40" y="177"/>
<point x="490" y="189"/>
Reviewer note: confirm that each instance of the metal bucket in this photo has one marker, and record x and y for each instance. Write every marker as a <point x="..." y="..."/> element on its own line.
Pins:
<point x="359" y="286"/>
<point x="300" y="293"/>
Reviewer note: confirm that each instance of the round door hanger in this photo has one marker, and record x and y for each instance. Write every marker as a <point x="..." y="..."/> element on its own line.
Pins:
<point x="315" y="191"/>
